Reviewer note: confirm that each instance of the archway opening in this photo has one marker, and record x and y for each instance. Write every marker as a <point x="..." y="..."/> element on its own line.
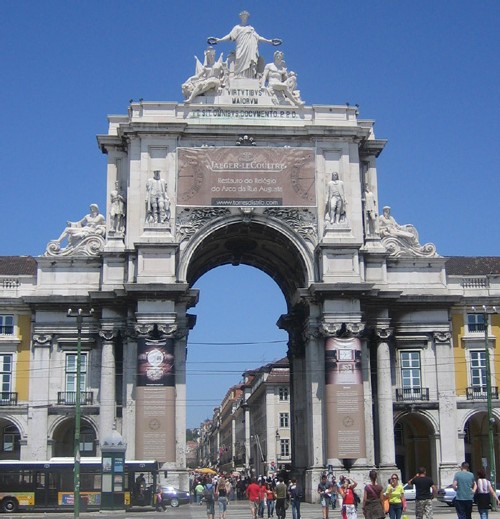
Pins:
<point x="235" y="332"/>
<point x="414" y="439"/>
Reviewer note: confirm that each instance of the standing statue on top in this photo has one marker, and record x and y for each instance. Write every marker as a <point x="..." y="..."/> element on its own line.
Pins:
<point x="247" y="47"/>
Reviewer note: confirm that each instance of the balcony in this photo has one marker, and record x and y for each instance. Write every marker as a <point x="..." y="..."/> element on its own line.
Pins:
<point x="8" y="398"/>
<point x="412" y="394"/>
<point x="480" y="393"/>
<point x="69" y="398"/>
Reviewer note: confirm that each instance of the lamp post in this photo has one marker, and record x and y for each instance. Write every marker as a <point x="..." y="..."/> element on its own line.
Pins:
<point x="76" y="471"/>
<point x="486" y="312"/>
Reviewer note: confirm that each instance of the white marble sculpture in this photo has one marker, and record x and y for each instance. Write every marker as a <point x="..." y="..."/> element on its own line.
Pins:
<point x="247" y="47"/>
<point x="85" y="237"/>
<point x="401" y="240"/>
<point x="280" y="82"/>
<point x="117" y="211"/>
<point x="336" y="201"/>
<point x="371" y="212"/>
<point x="157" y="200"/>
<point x="208" y="76"/>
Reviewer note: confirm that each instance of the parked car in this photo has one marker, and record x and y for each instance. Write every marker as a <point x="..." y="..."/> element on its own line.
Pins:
<point x="409" y="492"/>
<point x="174" y="497"/>
<point x="447" y="495"/>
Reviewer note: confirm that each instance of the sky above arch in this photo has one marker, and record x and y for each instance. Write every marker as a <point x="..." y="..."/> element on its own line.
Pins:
<point x="427" y="72"/>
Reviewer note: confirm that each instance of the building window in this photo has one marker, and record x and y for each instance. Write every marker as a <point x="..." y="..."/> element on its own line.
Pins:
<point x="478" y="369"/>
<point x="285" y="448"/>
<point x="71" y="372"/>
<point x="11" y="438"/>
<point x="475" y="323"/>
<point x="283" y="393"/>
<point x="284" y="420"/>
<point x="5" y="376"/>
<point x="6" y="325"/>
<point x="411" y="379"/>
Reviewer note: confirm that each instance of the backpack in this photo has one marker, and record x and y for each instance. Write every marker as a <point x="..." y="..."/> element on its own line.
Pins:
<point x="208" y="493"/>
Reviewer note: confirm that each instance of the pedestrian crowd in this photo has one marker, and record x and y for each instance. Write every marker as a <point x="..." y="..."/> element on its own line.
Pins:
<point x="273" y="496"/>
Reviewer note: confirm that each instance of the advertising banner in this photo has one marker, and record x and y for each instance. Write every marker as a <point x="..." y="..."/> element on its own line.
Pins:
<point x="155" y="362"/>
<point x="246" y="176"/>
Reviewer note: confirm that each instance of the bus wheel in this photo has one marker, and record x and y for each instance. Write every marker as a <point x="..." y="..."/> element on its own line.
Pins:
<point x="174" y="502"/>
<point x="9" y="504"/>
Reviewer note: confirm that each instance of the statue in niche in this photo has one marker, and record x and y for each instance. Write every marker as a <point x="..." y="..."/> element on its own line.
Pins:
<point x="117" y="210"/>
<point x="247" y="47"/>
<point x="85" y="236"/>
<point x="401" y="240"/>
<point x="336" y="201"/>
<point x="209" y="76"/>
<point x="279" y="81"/>
<point x="371" y="214"/>
<point x="157" y="200"/>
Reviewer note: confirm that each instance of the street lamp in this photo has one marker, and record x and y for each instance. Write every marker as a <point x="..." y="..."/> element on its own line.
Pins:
<point x="76" y="472"/>
<point x="486" y="312"/>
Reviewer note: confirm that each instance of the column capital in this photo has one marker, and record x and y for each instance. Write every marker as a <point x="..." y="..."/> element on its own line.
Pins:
<point x="167" y="330"/>
<point x="337" y="328"/>
<point x="143" y="329"/>
<point x="43" y="340"/>
<point x="441" y="336"/>
<point x="108" y="335"/>
<point x="383" y="333"/>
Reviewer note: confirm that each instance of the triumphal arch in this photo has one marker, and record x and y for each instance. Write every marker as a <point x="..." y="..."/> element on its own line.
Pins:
<point x="246" y="170"/>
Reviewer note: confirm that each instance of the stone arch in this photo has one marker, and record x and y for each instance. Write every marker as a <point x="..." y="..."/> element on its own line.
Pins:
<point x="267" y="245"/>
<point x="11" y="433"/>
<point x="415" y="444"/>
<point x="476" y="441"/>
<point x="62" y="434"/>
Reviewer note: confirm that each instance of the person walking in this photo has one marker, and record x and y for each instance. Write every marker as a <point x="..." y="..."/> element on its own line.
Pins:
<point x="281" y="492"/>
<point x="346" y="490"/>
<point x="209" y="498"/>
<point x="270" y="499"/>
<point x="294" y="494"/>
<point x="324" y="491"/>
<point x="425" y="492"/>
<point x="221" y="493"/>
<point x="465" y="487"/>
<point x="396" y="495"/>
<point x="485" y="493"/>
<point x="372" y="498"/>
<point x="252" y="493"/>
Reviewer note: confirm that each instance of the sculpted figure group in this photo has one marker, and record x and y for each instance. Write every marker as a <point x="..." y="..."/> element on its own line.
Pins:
<point x="244" y="62"/>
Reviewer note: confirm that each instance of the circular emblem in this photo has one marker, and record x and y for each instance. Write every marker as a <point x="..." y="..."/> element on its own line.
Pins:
<point x="155" y="357"/>
<point x="348" y="421"/>
<point x="154" y="424"/>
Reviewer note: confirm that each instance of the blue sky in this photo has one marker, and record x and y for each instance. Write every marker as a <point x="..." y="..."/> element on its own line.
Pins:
<point x="427" y="72"/>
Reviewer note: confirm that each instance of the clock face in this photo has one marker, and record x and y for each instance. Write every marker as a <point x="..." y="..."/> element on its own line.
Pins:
<point x="345" y="354"/>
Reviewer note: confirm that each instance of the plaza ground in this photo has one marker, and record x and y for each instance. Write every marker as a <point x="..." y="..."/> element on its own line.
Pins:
<point x="236" y="510"/>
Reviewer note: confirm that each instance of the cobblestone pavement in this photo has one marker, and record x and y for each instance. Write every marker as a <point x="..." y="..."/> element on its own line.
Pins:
<point x="236" y="510"/>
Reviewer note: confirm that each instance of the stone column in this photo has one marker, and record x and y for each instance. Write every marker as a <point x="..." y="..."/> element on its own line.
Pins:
<point x="385" y="399"/>
<point x="446" y="396"/>
<point x="107" y="394"/>
<point x="38" y="444"/>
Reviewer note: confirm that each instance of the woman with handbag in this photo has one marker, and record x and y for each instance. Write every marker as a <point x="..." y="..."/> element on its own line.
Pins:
<point x="396" y="495"/>
<point x="485" y="494"/>
<point x="373" y="498"/>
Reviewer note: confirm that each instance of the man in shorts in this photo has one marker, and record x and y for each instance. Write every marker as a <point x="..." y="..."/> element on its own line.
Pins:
<point x="253" y="492"/>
